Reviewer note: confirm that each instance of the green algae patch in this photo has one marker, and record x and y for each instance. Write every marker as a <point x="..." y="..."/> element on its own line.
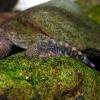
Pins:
<point x="58" y="78"/>
<point x="94" y="13"/>
<point x="91" y="8"/>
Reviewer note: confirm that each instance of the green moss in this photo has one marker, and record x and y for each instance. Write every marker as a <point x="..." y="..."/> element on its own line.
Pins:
<point x="94" y="13"/>
<point x="60" y="78"/>
<point x="47" y="78"/>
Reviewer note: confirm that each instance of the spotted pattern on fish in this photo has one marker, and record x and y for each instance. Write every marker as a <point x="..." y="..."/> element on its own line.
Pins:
<point x="46" y="47"/>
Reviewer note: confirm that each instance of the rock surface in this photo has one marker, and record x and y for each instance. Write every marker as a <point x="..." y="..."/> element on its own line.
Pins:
<point x="59" y="78"/>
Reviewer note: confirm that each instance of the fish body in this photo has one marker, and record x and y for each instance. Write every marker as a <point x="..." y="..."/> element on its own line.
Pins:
<point x="48" y="31"/>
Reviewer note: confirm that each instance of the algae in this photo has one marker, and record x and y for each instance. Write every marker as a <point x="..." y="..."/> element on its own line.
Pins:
<point x="47" y="79"/>
<point x="55" y="78"/>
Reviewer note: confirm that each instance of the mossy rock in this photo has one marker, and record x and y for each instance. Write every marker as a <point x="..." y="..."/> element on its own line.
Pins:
<point x="58" y="78"/>
<point x="94" y="13"/>
<point x="91" y="8"/>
